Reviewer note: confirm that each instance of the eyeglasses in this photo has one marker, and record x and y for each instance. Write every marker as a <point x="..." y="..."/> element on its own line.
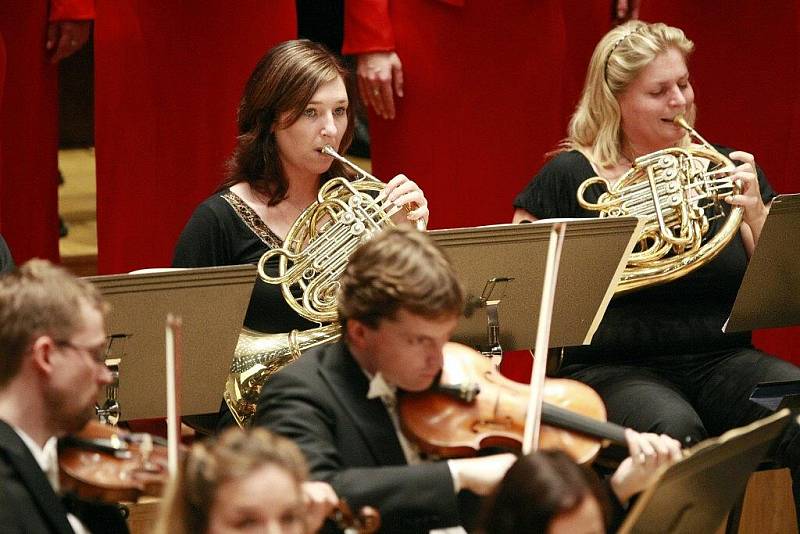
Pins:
<point x="98" y="353"/>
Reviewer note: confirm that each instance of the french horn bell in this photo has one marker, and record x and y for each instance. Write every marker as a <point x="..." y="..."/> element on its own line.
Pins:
<point x="677" y="191"/>
<point x="310" y="262"/>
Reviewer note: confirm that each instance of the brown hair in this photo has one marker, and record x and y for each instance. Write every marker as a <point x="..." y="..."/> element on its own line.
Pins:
<point x="39" y="299"/>
<point x="283" y="81"/>
<point x="536" y="489"/>
<point x="233" y="455"/>
<point x="399" y="268"/>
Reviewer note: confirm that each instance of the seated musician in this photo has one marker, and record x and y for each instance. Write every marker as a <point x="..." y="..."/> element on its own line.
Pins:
<point x="398" y="303"/>
<point x="244" y="481"/>
<point x="295" y="102"/>
<point x="52" y="346"/>
<point x="547" y="492"/>
<point x="660" y="359"/>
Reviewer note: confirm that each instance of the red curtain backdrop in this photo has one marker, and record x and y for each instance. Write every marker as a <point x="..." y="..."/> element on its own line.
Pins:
<point x="745" y="71"/>
<point x="586" y="22"/>
<point x="29" y="134"/>
<point x="482" y="104"/>
<point x="2" y="85"/>
<point x="169" y="76"/>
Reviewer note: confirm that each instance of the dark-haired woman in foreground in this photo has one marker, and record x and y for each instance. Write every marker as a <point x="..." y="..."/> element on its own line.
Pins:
<point x="547" y="492"/>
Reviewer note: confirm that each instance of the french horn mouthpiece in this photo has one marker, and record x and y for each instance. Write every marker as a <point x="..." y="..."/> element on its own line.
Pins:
<point x="681" y="121"/>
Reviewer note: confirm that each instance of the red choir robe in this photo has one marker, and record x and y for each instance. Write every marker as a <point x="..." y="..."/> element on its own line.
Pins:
<point x="2" y="85"/>
<point x="483" y="98"/>
<point x="29" y="126"/>
<point x="169" y="77"/>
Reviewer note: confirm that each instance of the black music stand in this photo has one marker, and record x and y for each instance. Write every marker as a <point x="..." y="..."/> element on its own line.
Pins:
<point x="769" y="296"/>
<point x="212" y="302"/>
<point x="695" y="494"/>
<point x="778" y="395"/>
<point x="502" y="270"/>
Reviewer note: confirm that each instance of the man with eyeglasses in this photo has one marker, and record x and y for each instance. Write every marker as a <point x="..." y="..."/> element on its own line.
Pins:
<point x="52" y="340"/>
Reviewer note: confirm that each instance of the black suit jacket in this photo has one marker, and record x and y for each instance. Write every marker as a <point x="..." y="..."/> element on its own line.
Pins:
<point x="28" y="502"/>
<point x="320" y="402"/>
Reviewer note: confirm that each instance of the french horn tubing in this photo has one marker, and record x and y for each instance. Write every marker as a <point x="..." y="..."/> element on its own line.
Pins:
<point x="677" y="191"/>
<point x="310" y="262"/>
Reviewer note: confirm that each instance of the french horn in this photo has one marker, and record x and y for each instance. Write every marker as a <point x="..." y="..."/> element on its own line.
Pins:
<point x="310" y="262"/>
<point x="677" y="191"/>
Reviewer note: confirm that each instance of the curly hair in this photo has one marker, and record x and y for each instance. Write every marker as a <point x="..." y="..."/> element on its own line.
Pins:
<point x="399" y="268"/>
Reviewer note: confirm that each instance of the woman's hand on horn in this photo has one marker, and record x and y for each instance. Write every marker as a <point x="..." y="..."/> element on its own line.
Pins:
<point x="750" y="196"/>
<point x="402" y="191"/>
<point x="648" y="452"/>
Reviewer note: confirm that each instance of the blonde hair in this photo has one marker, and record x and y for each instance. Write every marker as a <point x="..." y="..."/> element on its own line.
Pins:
<point x="234" y="455"/>
<point x="619" y="57"/>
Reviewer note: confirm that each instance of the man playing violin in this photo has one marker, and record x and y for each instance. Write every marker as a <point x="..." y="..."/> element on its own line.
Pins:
<point x="52" y="341"/>
<point x="398" y="303"/>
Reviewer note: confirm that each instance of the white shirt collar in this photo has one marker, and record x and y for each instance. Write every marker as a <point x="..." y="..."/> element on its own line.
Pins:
<point x="47" y="458"/>
<point x="44" y="455"/>
<point x="379" y="388"/>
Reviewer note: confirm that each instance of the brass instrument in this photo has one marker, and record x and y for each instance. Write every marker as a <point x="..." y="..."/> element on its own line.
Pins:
<point x="313" y="257"/>
<point x="671" y="189"/>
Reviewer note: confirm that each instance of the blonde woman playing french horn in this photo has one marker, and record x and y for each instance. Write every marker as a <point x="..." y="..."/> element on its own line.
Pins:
<point x="295" y="102"/>
<point x="659" y="359"/>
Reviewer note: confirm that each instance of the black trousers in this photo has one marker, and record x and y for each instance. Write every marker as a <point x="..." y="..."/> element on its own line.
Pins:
<point x="694" y="396"/>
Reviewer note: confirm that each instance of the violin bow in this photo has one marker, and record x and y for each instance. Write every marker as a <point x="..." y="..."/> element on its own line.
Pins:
<point x="173" y="356"/>
<point x="533" y="418"/>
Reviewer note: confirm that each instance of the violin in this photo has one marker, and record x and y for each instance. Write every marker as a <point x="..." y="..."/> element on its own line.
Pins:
<point x="109" y="464"/>
<point x="106" y="463"/>
<point x="473" y="406"/>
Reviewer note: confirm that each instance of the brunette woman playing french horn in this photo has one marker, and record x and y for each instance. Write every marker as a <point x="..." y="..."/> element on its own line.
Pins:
<point x="295" y="102"/>
<point x="660" y="359"/>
